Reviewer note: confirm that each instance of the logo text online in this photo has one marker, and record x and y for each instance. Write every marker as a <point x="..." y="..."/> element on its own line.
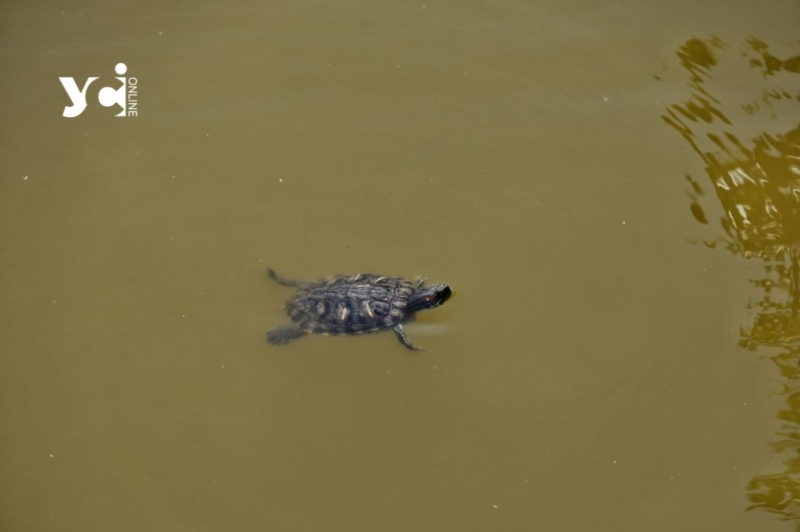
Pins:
<point x="126" y="96"/>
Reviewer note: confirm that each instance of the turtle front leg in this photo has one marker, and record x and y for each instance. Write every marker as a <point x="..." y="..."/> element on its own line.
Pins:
<point x="284" y="334"/>
<point x="401" y="336"/>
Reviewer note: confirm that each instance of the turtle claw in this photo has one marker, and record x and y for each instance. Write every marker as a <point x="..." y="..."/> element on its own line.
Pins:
<point x="403" y="339"/>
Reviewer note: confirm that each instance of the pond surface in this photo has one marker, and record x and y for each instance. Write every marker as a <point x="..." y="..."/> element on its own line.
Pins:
<point x="612" y="192"/>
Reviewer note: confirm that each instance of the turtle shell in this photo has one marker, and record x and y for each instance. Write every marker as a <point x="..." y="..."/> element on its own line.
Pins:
<point x="351" y="304"/>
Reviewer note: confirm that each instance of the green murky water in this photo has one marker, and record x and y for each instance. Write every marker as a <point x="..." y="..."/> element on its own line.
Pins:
<point x="611" y="191"/>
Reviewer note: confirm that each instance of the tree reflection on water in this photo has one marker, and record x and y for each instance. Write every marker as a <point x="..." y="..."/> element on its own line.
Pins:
<point x="741" y="120"/>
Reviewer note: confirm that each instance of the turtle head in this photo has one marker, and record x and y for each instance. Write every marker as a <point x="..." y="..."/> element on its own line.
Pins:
<point x="429" y="297"/>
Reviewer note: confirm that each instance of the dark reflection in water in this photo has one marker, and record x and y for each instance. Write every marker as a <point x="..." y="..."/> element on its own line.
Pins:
<point x="736" y="122"/>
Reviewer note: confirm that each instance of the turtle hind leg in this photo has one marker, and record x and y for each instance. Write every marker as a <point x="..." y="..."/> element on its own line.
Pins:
<point x="401" y="336"/>
<point x="288" y="282"/>
<point x="284" y="334"/>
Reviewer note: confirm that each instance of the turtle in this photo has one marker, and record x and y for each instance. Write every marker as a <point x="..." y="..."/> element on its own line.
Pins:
<point x="355" y="304"/>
